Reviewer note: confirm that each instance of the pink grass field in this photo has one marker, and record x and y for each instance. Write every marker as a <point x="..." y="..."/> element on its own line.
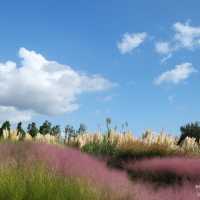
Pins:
<point x="73" y="163"/>
<point x="181" y="166"/>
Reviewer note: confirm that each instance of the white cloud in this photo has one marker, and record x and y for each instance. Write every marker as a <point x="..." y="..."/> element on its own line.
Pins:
<point x="165" y="58"/>
<point x="163" y="47"/>
<point x="185" y="37"/>
<point x="13" y="115"/>
<point x="179" y="73"/>
<point x="41" y="86"/>
<point x="131" y="41"/>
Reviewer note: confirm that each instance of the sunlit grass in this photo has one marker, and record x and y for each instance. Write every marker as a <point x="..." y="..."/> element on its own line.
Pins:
<point x="38" y="183"/>
<point x="37" y="171"/>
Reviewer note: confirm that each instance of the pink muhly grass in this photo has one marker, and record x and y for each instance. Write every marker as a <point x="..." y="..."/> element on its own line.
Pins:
<point x="7" y="154"/>
<point x="73" y="163"/>
<point x="180" y="166"/>
<point x="67" y="162"/>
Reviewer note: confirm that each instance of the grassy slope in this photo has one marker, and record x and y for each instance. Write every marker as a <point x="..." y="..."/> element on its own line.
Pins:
<point x="31" y="171"/>
<point x="38" y="183"/>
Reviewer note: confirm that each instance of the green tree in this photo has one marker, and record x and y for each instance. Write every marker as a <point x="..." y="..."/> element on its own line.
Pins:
<point x="55" y="130"/>
<point x="45" y="128"/>
<point x="191" y="130"/>
<point x="73" y="133"/>
<point x="82" y="129"/>
<point x="32" y="129"/>
<point x="5" y="126"/>
<point x="20" y="130"/>
<point x="69" y="132"/>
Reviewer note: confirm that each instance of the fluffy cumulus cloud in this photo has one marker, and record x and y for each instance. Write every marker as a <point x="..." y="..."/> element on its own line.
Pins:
<point x="131" y="41"/>
<point x="185" y="37"/>
<point x="13" y="115"/>
<point x="41" y="86"/>
<point x="179" y="73"/>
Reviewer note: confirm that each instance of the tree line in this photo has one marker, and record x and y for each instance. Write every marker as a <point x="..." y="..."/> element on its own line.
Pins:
<point x="44" y="129"/>
<point x="191" y="130"/>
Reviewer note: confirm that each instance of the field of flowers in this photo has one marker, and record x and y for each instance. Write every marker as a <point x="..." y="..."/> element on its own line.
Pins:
<point x="42" y="171"/>
<point x="117" y="166"/>
<point x="157" y="166"/>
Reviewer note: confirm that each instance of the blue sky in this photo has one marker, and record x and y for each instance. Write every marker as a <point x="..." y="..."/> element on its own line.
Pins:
<point x="146" y="55"/>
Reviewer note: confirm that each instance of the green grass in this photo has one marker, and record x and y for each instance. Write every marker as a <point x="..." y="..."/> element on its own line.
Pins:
<point x="102" y="148"/>
<point x="119" y="155"/>
<point x="38" y="183"/>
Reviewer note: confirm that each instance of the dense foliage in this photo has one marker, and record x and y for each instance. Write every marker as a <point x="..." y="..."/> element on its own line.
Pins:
<point x="191" y="130"/>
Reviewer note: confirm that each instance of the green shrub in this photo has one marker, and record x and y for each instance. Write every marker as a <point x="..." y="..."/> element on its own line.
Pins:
<point x="137" y="151"/>
<point x="103" y="148"/>
<point x="191" y="130"/>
